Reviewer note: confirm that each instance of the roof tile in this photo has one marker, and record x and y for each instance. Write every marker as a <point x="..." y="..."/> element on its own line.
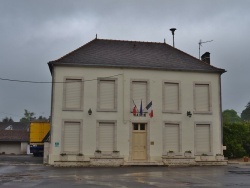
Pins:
<point x="133" y="54"/>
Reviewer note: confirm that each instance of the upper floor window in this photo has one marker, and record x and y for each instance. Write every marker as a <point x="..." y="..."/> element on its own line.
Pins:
<point x="202" y="98"/>
<point x="139" y="94"/>
<point x="171" y="97"/>
<point x="72" y="95"/>
<point x="107" y="95"/>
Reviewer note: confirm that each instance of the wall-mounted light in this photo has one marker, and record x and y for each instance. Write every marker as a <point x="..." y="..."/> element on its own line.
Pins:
<point x="189" y="114"/>
<point x="90" y="111"/>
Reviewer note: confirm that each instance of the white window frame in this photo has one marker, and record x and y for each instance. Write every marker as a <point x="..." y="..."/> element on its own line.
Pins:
<point x="80" y="136"/>
<point x="178" y="111"/>
<point x="210" y="138"/>
<point x="65" y="108"/>
<point x="209" y="98"/>
<point x="98" y="135"/>
<point x="131" y="93"/>
<point x="98" y="95"/>
<point x="166" y="123"/>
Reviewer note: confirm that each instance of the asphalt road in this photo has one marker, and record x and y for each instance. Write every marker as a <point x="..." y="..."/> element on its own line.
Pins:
<point x="27" y="171"/>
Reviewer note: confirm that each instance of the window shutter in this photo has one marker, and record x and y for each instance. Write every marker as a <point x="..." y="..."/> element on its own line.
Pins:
<point x="71" y="138"/>
<point x="107" y="94"/>
<point x="73" y="93"/>
<point x="202" y="138"/>
<point x="139" y="92"/>
<point x="202" y="97"/>
<point x="172" y="138"/>
<point x="171" y="96"/>
<point x="106" y="136"/>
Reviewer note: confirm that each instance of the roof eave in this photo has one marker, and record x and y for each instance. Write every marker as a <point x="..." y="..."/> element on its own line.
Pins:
<point x="53" y="63"/>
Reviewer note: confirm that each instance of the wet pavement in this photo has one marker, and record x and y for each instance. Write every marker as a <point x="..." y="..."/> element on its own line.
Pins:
<point x="27" y="171"/>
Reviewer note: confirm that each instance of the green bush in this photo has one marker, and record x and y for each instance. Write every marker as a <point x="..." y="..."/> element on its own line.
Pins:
<point x="236" y="136"/>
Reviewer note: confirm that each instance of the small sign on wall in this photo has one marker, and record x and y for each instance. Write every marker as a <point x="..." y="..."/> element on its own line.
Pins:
<point x="56" y="144"/>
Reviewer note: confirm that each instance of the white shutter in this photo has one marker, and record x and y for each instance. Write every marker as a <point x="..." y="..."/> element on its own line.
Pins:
<point x="202" y="97"/>
<point x="106" y="136"/>
<point x="139" y="92"/>
<point x="171" y="96"/>
<point x="202" y="138"/>
<point x="71" y="140"/>
<point x="107" y="94"/>
<point x="171" y="137"/>
<point x="73" y="93"/>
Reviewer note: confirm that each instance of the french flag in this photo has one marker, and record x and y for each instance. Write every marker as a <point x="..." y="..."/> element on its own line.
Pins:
<point x="149" y="108"/>
<point x="134" y="109"/>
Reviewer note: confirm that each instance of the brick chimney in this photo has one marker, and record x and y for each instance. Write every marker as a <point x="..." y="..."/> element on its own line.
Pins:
<point x="206" y="58"/>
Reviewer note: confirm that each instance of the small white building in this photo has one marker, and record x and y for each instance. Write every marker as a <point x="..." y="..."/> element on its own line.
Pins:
<point x="94" y="120"/>
<point x="14" y="137"/>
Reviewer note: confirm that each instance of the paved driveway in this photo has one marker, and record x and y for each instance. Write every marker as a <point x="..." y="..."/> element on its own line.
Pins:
<point x="22" y="174"/>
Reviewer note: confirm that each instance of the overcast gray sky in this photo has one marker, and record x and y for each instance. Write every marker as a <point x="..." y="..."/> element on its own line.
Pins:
<point x="32" y="33"/>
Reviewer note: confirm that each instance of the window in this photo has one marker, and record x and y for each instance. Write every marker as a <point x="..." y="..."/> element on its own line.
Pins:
<point x="71" y="137"/>
<point x="202" y="138"/>
<point x="107" y="95"/>
<point x="73" y="90"/>
<point x="202" y="98"/>
<point x="171" y="137"/>
<point x="171" y="97"/>
<point x="139" y="92"/>
<point x="139" y="126"/>
<point x="106" y="136"/>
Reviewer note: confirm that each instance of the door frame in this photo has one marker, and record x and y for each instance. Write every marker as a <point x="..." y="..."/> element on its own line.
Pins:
<point x="147" y="124"/>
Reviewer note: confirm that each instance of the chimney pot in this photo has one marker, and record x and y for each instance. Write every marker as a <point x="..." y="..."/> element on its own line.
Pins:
<point x="206" y="57"/>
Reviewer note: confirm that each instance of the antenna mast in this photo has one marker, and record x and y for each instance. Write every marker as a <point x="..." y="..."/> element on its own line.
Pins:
<point x="201" y="42"/>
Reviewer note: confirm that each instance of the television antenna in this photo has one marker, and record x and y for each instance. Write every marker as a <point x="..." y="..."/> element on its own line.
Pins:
<point x="200" y="44"/>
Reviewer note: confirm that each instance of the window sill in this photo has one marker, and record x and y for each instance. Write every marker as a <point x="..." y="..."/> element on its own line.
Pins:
<point x="106" y="110"/>
<point x="200" y="154"/>
<point x="203" y="113"/>
<point x="68" y="109"/>
<point x="171" y="112"/>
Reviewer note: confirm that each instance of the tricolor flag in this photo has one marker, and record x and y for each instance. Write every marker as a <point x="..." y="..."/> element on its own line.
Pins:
<point x="134" y="109"/>
<point x="150" y="109"/>
<point x="141" y="109"/>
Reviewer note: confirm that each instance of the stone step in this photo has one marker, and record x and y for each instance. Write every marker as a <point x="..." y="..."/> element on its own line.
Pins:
<point x="142" y="163"/>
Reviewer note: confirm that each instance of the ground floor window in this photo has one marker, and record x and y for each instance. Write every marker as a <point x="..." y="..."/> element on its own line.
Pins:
<point x="106" y="136"/>
<point x="202" y="138"/>
<point x="171" y="137"/>
<point x="71" y="141"/>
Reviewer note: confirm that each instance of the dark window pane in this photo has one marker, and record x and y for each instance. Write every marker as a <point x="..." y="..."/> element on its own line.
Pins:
<point x="136" y="126"/>
<point x="142" y="127"/>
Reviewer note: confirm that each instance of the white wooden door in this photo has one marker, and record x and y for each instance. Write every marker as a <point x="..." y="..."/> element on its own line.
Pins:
<point x="139" y="141"/>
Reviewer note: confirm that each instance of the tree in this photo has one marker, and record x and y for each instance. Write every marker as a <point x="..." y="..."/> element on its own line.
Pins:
<point x="28" y="116"/>
<point x="245" y="115"/>
<point x="41" y="118"/>
<point x="236" y="138"/>
<point x="7" y="119"/>
<point x="230" y="116"/>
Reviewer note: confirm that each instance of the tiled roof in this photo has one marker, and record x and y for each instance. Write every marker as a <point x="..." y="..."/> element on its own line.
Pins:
<point x="14" y="135"/>
<point x="14" y="125"/>
<point x="133" y="54"/>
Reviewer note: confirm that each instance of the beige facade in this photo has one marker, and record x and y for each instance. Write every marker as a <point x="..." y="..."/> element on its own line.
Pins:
<point x="113" y="129"/>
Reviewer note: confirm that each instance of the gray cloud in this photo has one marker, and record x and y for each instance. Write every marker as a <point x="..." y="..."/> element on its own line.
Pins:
<point x="35" y="32"/>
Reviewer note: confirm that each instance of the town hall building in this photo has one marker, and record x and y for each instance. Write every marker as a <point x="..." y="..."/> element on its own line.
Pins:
<point x="118" y="103"/>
